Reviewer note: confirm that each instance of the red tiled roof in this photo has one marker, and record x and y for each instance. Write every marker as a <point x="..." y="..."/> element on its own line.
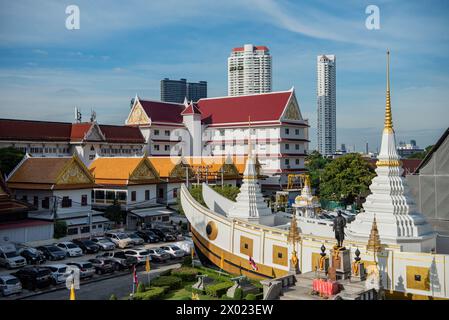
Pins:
<point x="409" y="165"/>
<point x="159" y="111"/>
<point x="191" y="109"/>
<point x="30" y="130"/>
<point x="23" y="224"/>
<point x="260" y="107"/>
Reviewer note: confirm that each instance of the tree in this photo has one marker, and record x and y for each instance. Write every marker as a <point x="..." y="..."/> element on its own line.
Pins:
<point x="346" y="179"/>
<point x="420" y="155"/>
<point x="315" y="164"/>
<point x="60" y="229"/>
<point x="229" y="192"/>
<point x="114" y="212"/>
<point x="9" y="159"/>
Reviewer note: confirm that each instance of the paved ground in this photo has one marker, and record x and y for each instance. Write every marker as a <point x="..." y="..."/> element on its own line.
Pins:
<point x="121" y="286"/>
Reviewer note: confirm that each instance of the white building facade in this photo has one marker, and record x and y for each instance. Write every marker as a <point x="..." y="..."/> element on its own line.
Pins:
<point x="326" y="105"/>
<point x="249" y="70"/>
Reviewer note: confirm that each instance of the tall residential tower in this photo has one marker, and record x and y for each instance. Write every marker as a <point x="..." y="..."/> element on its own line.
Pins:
<point x="326" y="104"/>
<point x="249" y="70"/>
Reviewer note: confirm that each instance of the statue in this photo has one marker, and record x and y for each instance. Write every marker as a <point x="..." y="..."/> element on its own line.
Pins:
<point x="339" y="229"/>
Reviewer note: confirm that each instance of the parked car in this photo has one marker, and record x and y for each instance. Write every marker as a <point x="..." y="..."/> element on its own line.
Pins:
<point x="102" y="265"/>
<point x="164" y="236"/>
<point x="9" y="257"/>
<point x="138" y="241"/>
<point x="32" y="256"/>
<point x="33" y="277"/>
<point x="173" y="251"/>
<point x="158" y="255"/>
<point x="120" y="239"/>
<point x="141" y="254"/>
<point x="88" y="246"/>
<point x="87" y="270"/>
<point x="148" y="236"/>
<point x="185" y="245"/>
<point x="70" y="248"/>
<point x="9" y="285"/>
<point x="121" y="260"/>
<point x="52" y="252"/>
<point x="104" y="243"/>
<point x="59" y="273"/>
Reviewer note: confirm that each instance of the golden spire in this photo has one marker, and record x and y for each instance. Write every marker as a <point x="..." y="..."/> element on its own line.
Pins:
<point x="293" y="233"/>
<point x="374" y="244"/>
<point x="388" y="126"/>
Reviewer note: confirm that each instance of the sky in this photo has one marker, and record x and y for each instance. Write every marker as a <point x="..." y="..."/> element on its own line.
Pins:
<point x="124" y="48"/>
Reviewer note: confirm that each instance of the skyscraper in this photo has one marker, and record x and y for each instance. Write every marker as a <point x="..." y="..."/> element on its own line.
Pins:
<point x="249" y="70"/>
<point x="177" y="90"/>
<point x="326" y="104"/>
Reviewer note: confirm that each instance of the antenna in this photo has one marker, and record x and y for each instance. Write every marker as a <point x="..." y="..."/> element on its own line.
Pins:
<point x="78" y="116"/>
<point x="93" y="116"/>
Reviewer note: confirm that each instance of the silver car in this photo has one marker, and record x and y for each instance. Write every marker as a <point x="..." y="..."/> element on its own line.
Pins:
<point x="59" y="272"/>
<point x="104" y="243"/>
<point x="9" y="285"/>
<point x="87" y="269"/>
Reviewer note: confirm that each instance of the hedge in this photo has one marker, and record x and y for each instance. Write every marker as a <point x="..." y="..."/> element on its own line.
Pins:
<point x="186" y="274"/>
<point x="250" y="296"/>
<point x="217" y="290"/>
<point x="238" y="294"/>
<point x="170" y="281"/>
<point x="153" y="294"/>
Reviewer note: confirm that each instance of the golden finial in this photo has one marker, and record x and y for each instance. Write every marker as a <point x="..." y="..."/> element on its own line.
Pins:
<point x="293" y="233"/>
<point x="374" y="244"/>
<point x="388" y="126"/>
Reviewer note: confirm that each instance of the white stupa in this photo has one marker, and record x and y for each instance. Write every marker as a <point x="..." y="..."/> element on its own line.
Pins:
<point x="390" y="202"/>
<point x="306" y="204"/>
<point x="250" y="204"/>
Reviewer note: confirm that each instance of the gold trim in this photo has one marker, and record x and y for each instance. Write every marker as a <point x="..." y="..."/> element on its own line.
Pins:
<point x="246" y="246"/>
<point x="283" y="259"/>
<point x="388" y="163"/>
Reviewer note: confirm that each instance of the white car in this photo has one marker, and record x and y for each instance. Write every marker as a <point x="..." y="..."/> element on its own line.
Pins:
<point x="120" y="239"/>
<point x="185" y="245"/>
<point x="59" y="272"/>
<point x="9" y="285"/>
<point x="9" y="257"/>
<point x="140" y="254"/>
<point x="70" y="248"/>
<point x="173" y="251"/>
<point x="104" y="243"/>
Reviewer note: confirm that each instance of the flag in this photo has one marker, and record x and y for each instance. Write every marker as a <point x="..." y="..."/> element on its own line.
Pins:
<point x="72" y="291"/>
<point x="222" y="261"/>
<point x="253" y="264"/>
<point x="135" y="280"/>
<point x="147" y="264"/>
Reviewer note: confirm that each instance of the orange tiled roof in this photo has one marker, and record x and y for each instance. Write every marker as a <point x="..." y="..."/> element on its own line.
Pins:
<point x="164" y="165"/>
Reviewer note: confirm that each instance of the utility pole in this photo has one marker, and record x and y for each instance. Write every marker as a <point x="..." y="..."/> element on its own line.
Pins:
<point x="222" y="181"/>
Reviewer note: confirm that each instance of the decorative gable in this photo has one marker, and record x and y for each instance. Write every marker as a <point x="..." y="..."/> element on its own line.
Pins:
<point x="74" y="173"/>
<point x="144" y="172"/>
<point x="292" y="112"/>
<point x="94" y="134"/>
<point x="179" y="171"/>
<point x="138" y="115"/>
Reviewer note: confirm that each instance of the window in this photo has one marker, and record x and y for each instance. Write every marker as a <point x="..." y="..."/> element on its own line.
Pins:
<point x="280" y="255"/>
<point x="160" y="193"/>
<point x="147" y="195"/>
<point x="46" y="203"/>
<point x="156" y="132"/>
<point x="167" y="147"/>
<point x="72" y="231"/>
<point x="25" y="198"/>
<point x="85" y="229"/>
<point x="133" y="195"/>
<point x="66" y="202"/>
<point x="297" y="131"/>
<point x="287" y="131"/>
<point x="167" y="132"/>
<point x="287" y="161"/>
<point x="297" y="161"/>
<point x="36" y="201"/>
<point x="297" y="146"/>
<point x="156" y="147"/>
<point x="92" y="148"/>
<point x="84" y="200"/>
<point x="287" y="146"/>
<point x="91" y="157"/>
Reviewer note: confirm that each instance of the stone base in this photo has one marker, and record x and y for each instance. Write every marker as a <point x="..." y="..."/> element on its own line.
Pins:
<point x="361" y="276"/>
<point x="341" y="260"/>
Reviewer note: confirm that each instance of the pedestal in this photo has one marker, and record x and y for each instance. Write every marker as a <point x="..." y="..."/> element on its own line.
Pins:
<point x="322" y="273"/>
<point x="361" y="274"/>
<point x="341" y="262"/>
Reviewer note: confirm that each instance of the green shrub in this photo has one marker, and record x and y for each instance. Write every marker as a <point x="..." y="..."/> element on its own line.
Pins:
<point x="259" y="296"/>
<point x="141" y="288"/>
<point x="250" y="296"/>
<point x="187" y="262"/>
<point x="113" y="297"/>
<point x="170" y="281"/>
<point x="217" y="290"/>
<point x="153" y="294"/>
<point x="238" y="294"/>
<point x="60" y="229"/>
<point x="165" y="273"/>
<point x="185" y="273"/>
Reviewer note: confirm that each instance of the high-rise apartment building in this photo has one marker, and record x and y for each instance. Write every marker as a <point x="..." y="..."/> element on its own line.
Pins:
<point x="326" y="104"/>
<point x="177" y="90"/>
<point x="249" y="70"/>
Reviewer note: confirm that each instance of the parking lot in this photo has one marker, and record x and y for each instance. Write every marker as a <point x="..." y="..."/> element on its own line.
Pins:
<point x="94" y="283"/>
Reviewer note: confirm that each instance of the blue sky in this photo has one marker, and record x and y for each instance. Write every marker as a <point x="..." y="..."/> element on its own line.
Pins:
<point x="126" y="47"/>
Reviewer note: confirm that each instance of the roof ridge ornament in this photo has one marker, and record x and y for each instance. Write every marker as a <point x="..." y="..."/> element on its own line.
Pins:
<point x="388" y="126"/>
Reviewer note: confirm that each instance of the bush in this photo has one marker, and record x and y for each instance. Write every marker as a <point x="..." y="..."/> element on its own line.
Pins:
<point x="113" y="297"/>
<point x="169" y="281"/>
<point x="250" y="296"/>
<point x="153" y="294"/>
<point x="217" y="290"/>
<point x="186" y="274"/>
<point x="238" y="294"/>
<point x="60" y="229"/>
<point x="259" y="296"/>
<point x="141" y="288"/>
<point x="187" y="262"/>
